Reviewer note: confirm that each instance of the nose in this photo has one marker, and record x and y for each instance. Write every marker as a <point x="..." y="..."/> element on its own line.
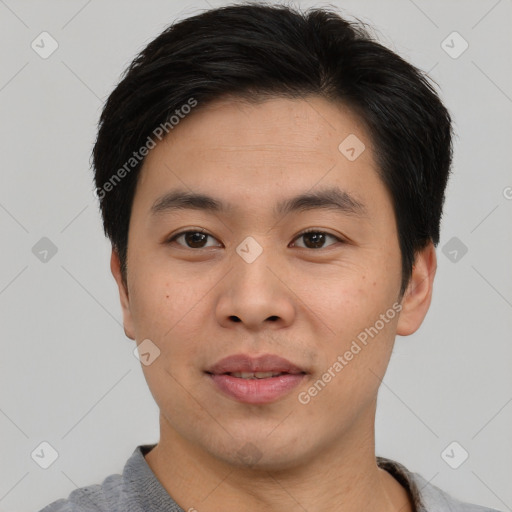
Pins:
<point x="255" y="294"/>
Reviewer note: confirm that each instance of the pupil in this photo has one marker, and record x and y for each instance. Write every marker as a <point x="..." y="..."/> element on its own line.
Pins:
<point x="316" y="238"/>
<point x="195" y="238"/>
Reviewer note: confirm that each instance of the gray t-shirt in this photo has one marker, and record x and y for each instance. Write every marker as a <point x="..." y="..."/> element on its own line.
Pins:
<point x="138" y="490"/>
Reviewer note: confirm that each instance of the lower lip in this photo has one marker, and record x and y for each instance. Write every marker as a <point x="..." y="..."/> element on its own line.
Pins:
<point x="257" y="391"/>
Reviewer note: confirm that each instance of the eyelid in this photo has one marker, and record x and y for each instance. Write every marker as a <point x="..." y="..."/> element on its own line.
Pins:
<point x="322" y="231"/>
<point x="173" y="237"/>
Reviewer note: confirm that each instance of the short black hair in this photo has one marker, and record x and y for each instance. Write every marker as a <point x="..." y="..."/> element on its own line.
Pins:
<point x="254" y="51"/>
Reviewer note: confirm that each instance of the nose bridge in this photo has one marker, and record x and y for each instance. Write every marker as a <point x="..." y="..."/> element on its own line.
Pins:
<point x="253" y="294"/>
<point x="250" y="250"/>
<point x="252" y="260"/>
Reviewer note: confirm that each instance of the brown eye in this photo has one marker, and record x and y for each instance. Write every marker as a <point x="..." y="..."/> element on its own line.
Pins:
<point x="315" y="239"/>
<point x="192" y="239"/>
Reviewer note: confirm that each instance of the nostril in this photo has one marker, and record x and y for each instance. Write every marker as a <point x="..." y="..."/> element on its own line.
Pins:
<point x="235" y="318"/>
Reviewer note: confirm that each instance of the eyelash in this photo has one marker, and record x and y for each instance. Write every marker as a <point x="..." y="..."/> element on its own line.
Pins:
<point x="302" y="233"/>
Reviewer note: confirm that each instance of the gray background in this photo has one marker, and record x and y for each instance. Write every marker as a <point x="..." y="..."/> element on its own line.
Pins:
<point x="68" y="375"/>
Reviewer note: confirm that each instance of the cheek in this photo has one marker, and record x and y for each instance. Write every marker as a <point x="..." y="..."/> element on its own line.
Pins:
<point x="356" y="359"/>
<point x="153" y="309"/>
<point x="172" y="316"/>
<point x="362" y="314"/>
<point x="355" y="301"/>
<point x="159" y="296"/>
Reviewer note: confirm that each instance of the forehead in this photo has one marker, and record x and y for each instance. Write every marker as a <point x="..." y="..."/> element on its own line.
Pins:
<point x="277" y="130"/>
<point x="279" y="124"/>
<point x="250" y="152"/>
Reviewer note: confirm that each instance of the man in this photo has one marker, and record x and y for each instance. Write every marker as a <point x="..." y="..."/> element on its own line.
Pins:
<point x="272" y="183"/>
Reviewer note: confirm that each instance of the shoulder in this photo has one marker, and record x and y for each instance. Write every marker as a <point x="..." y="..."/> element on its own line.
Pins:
<point x="426" y="496"/>
<point x="434" y="499"/>
<point x="116" y="492"/>
<point x="97" y="497"/>
<point x="135" y="490"/>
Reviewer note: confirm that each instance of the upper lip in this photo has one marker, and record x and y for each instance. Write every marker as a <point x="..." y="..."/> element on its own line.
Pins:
<point x="249" y="364"/>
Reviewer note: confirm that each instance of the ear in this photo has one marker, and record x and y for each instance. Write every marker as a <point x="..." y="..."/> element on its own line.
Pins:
<point x="417" y="297"/>
<point x="115" y="267"/>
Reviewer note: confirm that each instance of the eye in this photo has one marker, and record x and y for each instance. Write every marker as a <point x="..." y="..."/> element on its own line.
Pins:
<point x="315" y="239"/>
<point x="197" y="239"/>
<point x="192" y="239"/>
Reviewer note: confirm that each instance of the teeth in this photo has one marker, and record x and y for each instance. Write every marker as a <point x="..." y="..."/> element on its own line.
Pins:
<point x="255" y="375"/>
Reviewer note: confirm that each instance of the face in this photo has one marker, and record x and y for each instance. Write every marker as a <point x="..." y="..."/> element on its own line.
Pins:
<point x="236" y="275"/>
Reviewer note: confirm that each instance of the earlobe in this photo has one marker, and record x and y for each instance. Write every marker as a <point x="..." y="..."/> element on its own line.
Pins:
<point x="417" y="297"/>
<point x="115" y="267"/>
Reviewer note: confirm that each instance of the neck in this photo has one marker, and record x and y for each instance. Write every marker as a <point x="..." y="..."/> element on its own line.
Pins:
<point x="342" y="477"/>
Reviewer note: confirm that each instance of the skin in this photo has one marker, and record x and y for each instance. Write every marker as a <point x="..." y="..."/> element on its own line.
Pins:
<point x="302" y="303"/>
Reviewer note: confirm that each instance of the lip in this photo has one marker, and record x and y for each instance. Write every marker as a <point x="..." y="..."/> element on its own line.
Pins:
<point x="247" y="363"/>
<point x="255" y="391"/>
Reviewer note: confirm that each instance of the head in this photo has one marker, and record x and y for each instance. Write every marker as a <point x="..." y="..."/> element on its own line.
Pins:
<point x="263" y="121"/>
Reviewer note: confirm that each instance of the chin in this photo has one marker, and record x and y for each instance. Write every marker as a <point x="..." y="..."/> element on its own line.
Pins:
<point x="263" y="452"/>
<point x="250" y="457"/>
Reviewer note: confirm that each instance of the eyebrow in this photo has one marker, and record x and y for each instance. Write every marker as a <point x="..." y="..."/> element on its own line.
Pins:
<point x="332" y="198"/>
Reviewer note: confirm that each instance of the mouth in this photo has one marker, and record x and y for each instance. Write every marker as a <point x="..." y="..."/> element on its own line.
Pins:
<point x="241" y="365"/>
<point x="255" y="380"/>
<point x="255" y="375"/>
